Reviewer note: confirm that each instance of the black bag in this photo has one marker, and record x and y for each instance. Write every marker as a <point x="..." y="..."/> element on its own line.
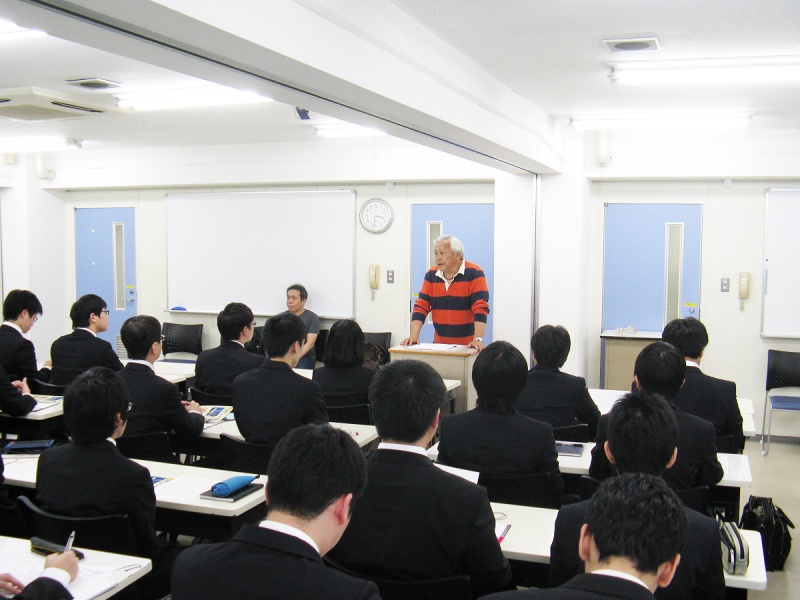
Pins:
<point x="762" y="515"/>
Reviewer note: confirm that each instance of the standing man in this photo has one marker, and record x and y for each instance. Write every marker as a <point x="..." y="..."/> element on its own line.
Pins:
<point x="21" y="310"/>
<point x="296" y="296"/>
<point x="457" y="294"/>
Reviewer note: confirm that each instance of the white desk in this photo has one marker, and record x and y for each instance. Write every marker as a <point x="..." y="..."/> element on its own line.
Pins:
<point x="100" y="574"/>
<point x="362" y="434"/>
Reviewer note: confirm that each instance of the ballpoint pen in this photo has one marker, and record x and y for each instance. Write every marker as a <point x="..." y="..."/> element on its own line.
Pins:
<point x="71" y="539"/>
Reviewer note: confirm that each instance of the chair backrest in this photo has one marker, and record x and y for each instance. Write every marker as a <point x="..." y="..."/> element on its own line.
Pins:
<point x="182" y="338"/>
<point x="37" y="386"/>
<point x="557" y="417"/>
<point x="588" y="486"/>
<point x="205" y="398"/>
<point x="572" y="433"/>
<point x="783" y="369"/>
<point x="383" y="340"/>
<point x="726" y="444"/>
<point x="239" y="455"/>
<point x="319" y="344"/>
<point x="111" y="533"/>
<point x="12" y="522"/>
<point x="147" y="446"/>
<point x="695" y="498"/>
<point x="524" y="490"/>
<point x="254" y="345"/>
<point x="359" y="414"/>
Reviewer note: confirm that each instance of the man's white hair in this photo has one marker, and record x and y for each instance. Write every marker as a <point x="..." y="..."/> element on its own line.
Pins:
<point x="456" y="247"/>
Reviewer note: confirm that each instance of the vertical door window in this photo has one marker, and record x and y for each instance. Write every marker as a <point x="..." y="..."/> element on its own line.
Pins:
<point x="673" y="271"/>
<point x="119" y="265"/>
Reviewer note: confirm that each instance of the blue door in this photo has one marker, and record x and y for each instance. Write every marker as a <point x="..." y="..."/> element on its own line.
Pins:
<point x="105" y="262"/>
<point x="473" y="224"/>
<point x="651" y="268"/>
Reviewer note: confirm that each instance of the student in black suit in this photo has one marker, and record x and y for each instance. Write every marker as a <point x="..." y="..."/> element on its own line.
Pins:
<point x="551" y="396"/>
<point x="15" y="398"/>
<point x="494" y="439"/>
<point x="344" y="379"/>
<point x="642" y="433"/>
<point x="634" y="530"/>
<point x="660" y="368"/>
<point x="218" y="367"/>
<point x="707" y="397"/>
<point x="416" y="521"/>
<point x="12" y="522"/>
<point x="156" y="403"/>
<point x="21" y="309"/>
<point x="81" y="350"/>
<point x="272" y="399"/>
<point x="315" y="478"/>
<point x="59" y="570"/>
<point x="90" y="478"/>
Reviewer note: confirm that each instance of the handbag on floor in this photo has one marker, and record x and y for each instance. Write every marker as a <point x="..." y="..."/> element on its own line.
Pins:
<point x="763" y="515"/>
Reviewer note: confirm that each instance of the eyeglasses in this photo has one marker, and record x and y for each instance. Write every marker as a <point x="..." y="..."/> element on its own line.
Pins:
<point x="105" y="310"/>
<point x="36" y="318"/>
<point x="162" y="338"/>
<point x="253" y="324"/>
<point x="130" y="405"/>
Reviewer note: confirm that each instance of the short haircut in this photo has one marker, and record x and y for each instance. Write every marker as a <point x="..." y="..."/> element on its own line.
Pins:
<point x="688" y="335"/>
<point x="456" y="245"/>
<point x="344" y="346"/>
<point x="499" y="374"/>
<point x="637" y="517"/>
<point x="280" y="332"/>
<point x="233" y="319"/>
<point x="91" y="402"/>
<point x="84" y="308"/>
<point x="311" y="467"/>
<point x="642" y="433"/>
<point x="138" y="334"/>
<point x="551" y="346"/>
<point x="300" y="288"/>
<point x="405" y="396"/>
<point x="661" y="368"/>
<point x="19" y="300"/>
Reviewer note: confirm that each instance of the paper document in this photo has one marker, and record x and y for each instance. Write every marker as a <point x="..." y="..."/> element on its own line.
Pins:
<point x="436" y="347"/>
<point x="182" y="489"/>
<point x="463" y="473"/>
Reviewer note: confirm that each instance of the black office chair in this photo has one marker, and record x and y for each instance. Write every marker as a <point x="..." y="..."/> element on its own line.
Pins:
<point x="254" y="345"/>
<point x="383" y="340"/>
<point x="111" y="533"/>
<point x="148" y="446"/>
<point x="783" y="371"/>
<point x="239" y="455"/>
<point x="726" y="445"/>
<point x="12" y="522"/>
<point x="319" y="344"/>
<point x="37" y="386"/>
<point x="359" y="414"/>
<point x="524" y="490"/>
<point x="206" y="399"/>
<point x="588" y="486"/>
<point x="572" y="433"/>
<point x="695" y="498"/>
<point x="182" y="338"/>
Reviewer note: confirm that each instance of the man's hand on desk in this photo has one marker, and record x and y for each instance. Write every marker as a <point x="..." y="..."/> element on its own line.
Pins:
<point x="22" y="386"/>
<point x="410" y="341"/>
<point x="10" y="584"/>
<point x="66" y="562"/>
<point x="477" y="344"/>
<point x="192" y="406"/>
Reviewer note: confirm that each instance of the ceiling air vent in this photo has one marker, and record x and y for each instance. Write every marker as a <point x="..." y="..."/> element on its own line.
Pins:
<point x="642" y="44"/>
<point x="32" y="105"/>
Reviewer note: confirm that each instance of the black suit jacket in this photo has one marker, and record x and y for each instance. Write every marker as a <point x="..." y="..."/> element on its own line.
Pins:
<point x="44" y="588"/>
<point x="77" y="352"/>
<point x="698" y="577"/>
<point x="416" y="521"/>
<point x="18" y="357"/>
<point x="558" y="398"/>
<point x="12" y="402"/>
<point x="156" y="404"/>
<point x="714" y="400"/>
<point x="218" y="367"/>
<point x="12" y="523"/>
<point x="696" y="464"/>
<point x="584" y="587"/>
<point x="500" y="445"/>
<point x="263" y="564"/>
<point x="271" y="400"/>
<point x="343" y="386"/>
<point x="95" y="481"/>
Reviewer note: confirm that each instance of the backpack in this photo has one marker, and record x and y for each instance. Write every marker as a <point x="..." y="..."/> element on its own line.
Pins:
<point x="762" y="515"/>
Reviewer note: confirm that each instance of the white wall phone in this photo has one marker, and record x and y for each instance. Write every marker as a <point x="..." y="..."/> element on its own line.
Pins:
<point x="374" y="278"/>
<point x="744" y="288"/>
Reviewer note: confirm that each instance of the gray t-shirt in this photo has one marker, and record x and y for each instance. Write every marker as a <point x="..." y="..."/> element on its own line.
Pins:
<point x="311" y="321"/>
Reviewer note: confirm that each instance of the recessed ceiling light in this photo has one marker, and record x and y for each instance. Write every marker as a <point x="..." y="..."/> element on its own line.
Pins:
<point x="633" y="44"/>
<point x="708" y="71"/>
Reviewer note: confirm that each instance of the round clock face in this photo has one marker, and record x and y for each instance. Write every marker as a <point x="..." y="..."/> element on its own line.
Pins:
<point x="376" y="215"/>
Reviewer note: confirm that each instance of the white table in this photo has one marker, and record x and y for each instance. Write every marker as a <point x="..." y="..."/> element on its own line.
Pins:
<point x="362" y="434"/>
<point x="100" y="574"/>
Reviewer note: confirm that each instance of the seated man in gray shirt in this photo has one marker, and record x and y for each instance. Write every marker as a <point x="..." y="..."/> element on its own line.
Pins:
<point x="296" y="296"/>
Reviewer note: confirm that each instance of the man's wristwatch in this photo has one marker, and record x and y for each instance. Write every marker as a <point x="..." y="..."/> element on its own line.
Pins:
<point x="478" y="339"/>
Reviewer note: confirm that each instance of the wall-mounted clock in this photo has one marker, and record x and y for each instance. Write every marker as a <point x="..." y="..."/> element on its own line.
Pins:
<point x="376" y="215"/>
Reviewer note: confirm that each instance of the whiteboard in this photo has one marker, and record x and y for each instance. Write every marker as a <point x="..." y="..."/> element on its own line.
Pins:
<point x="250" y="246"/>
<point x="780" y="315"/>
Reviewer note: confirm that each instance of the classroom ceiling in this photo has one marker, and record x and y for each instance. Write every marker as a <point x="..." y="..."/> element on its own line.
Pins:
<point x="551" y="53"/>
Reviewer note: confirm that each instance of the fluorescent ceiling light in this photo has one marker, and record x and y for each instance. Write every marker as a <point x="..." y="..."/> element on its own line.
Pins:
<point x="712" y="71"/>
<point x="714" y="121"/>
<point x="210" y="95"/>
<point x="10" y="31"/>
<point x="24" y="146"/>
<point x="342" y="130"/>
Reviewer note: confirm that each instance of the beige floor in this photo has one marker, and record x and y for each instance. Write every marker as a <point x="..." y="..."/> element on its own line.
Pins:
<point x="777" y="475"/>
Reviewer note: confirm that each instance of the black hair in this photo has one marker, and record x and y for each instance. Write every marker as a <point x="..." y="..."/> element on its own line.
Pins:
<point x="660" y="368"/>
<point x="688" y="335"/>
<point x="138" y="334"/>
<point x="311" y="467"/>
<point x="233" y="319"/>
<point x="91" y="402"/>
<point x="638" y="517"/>
<point x="280" y="332"/>
<point x="642" y="433"/>
<point x="551" y="346"/>
<point x="405" y="396"/>
<point x="84" y="307"/>
<point x="499" y="375"/>
<point x="300" y="288"/>
<point x="344" y="346"/>
<point x="19" y="300"/>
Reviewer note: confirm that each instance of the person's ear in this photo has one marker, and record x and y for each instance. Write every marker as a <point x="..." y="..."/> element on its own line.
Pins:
<point x="673" y="459"/>
<point x="584" y="543"/>
<point x="341" y="509"/>
<point x="666" y="571"/>
<point x="636" y="380"/>
<point x="607" y="449"/>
